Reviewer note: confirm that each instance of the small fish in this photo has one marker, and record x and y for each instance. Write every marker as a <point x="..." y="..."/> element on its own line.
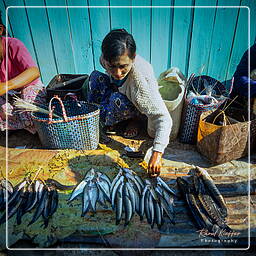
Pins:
<point x="93" y="195"/>
<point x="115" y="180"/>
<point x="86" y="201"/>
<point x="161" y="183"/>
<point x="119" y="203"/>
<point x="40" y="206"/>
<point x="58" y="185"/>
<point x="78" y="190"/>
<point x="132" y="178"/>
<point x="115" y="189"/>
<point x="127" y="205"/>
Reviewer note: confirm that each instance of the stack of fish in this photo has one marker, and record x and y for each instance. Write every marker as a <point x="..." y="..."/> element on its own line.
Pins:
<point x="6" y="189"/>
<point x="125" y="191"/>
<point x="95" y="188"/>
<point x="204" y="201"/>
<point x="157" y="198"/>
<point x="28" y="195"/>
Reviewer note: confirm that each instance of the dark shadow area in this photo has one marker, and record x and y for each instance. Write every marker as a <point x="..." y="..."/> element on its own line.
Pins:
<point x="21" y="139"/>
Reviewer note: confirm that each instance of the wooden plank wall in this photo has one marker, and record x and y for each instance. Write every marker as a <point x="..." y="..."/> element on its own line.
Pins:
<point x="197" y="39"/>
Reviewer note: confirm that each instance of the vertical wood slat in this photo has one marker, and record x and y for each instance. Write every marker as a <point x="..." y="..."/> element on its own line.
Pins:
<point x="160" y="46"/>
<point x="223" y="33"/>
<point x="252" y="5"/>
<point x="100" y="26"/>
<point x="3" y="11"/>
<point x="240" y="41"/>
<point x="120" y="17"/>
<point x="181" y="36"/>
<point x="141" y="28"/>
<point x="81" y="36"/>
<point x="20" y="27"/>
<point x="39" y="30"/>
<point x="60" y="31"/>
<point x="201" y="37"/>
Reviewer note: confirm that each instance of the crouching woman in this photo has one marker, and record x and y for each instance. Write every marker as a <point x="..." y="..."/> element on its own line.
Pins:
<point x="128" y="91"/>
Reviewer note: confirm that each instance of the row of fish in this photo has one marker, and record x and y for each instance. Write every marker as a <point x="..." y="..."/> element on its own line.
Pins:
<point x="204" y="200"/>
<point x="25" y="197"/>
<point x="127" y="194"/>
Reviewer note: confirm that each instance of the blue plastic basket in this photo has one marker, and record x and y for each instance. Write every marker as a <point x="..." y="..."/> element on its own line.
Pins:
<point x="78" y="128"/>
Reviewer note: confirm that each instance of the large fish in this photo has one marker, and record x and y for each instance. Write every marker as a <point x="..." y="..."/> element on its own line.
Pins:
<point x="216" y="195"/>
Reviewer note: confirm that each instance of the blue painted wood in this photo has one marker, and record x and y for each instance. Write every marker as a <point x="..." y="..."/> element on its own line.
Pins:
<point x="72" y="38"/>
<point x="60" y="31"/>
<point x="160" y="45"/>
<point x="3" y="11"/>
<point x="141" y="27"/>
<point x="202" y="34"/>
<point x="81" y="36"/>
<point x="120" y="17"/>
<point x="20" y="27"/>
<point x="100" y="26"/>
<point x="252" y="5"/>
<point x="181" y="34"/>
<point x="42" y="40"/>
<point x="223" y="33"/>
<point x="241" y="42"/>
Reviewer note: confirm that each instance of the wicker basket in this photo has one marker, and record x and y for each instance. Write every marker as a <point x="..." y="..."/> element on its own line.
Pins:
<point x="78" y="129"/>
<point x="191" y="112"/>
<point x="221" y="144"/>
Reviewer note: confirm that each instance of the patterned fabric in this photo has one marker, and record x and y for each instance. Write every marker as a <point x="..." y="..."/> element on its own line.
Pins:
<point x="114" y="106"/>
<point x="21" y="120"/>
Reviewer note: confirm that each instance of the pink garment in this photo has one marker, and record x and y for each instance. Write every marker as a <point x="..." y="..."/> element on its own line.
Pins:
<point x="19" y="59"/>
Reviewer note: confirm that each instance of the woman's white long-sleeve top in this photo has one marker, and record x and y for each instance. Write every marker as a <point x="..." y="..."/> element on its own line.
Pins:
<point x="141" y="88"/>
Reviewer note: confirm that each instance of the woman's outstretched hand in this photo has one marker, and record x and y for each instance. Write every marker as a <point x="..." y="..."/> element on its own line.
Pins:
<point x="155" y="164"/>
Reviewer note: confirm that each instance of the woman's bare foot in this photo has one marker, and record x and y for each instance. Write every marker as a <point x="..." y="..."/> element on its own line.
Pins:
<point x="131" y="130"/>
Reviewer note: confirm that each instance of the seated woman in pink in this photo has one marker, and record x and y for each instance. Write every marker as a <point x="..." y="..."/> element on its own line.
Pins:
<point x="22" y="78"/>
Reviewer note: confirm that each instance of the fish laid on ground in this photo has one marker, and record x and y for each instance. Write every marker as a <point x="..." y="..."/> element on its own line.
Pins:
<point x="157" y="198"/>
<point x="204" y="200"/>
<point x="94" y="188"/>
<point x="27" y="196"/>
<point x="6" y="189"/>
<point x="125" y="192"/>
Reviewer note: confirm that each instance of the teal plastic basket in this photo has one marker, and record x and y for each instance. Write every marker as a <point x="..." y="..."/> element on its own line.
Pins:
<point x="77" y="128"/>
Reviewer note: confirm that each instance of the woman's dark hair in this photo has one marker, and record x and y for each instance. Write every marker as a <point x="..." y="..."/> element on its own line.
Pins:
<point x="116" y="43"/>
<point x="1" y="23"/>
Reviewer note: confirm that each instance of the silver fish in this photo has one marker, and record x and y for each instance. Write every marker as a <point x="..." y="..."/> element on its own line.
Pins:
<point x="114" y="190"/>
<point x="86" y="201"/>
<point x="80" y="187"/>
<point x="119" y="203"/>
<point x="93" y="195"/>
<point x="120" y="173"/>
<point x="127" y="205"/>
<point x="165" y="186"/>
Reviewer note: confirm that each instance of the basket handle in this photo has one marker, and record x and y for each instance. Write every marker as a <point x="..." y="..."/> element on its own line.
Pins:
<point x="51" y="109"/>
<point x="72" y="96"/>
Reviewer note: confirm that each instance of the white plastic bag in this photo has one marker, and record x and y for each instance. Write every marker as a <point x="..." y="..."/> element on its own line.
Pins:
<point x="172" y="88"/>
